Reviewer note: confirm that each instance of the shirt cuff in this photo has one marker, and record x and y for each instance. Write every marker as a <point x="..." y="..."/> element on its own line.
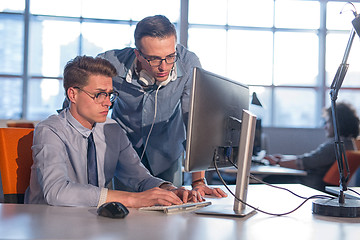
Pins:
<point x="103" y="196"/>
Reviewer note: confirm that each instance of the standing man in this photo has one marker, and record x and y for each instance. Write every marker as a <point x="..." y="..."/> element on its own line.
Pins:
<point x="154" y="83"/>
<point x="77" y="152"/>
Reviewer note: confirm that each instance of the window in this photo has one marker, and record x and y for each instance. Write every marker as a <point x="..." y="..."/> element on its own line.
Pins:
<point x="287" y="51"/>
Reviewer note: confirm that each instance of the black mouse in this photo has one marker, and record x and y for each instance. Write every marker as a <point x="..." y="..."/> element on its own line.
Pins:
<point x="113" y="210"/>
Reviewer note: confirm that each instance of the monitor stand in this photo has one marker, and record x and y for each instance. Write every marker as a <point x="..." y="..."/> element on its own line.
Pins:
<point x="242" y="178"/>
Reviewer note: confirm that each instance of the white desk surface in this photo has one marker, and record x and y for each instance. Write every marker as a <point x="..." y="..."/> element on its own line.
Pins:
<point x="19" y="221"/>
<point x="275" y="170"/>
<point x="348" y="193"/>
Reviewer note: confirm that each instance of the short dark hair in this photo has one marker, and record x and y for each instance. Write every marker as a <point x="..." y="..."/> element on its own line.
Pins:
<point x="157" y="26"/>
<point x="78" y="70"/>
<point x="348" y="120"/>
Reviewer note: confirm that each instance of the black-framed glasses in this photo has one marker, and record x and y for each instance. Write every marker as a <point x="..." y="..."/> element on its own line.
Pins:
<point x="156" y="61"/>
<point x="100" y="97"/>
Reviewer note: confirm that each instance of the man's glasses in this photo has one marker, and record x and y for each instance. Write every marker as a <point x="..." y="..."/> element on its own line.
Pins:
<point x="156" y="61"/>
<point x="100" y="97"/>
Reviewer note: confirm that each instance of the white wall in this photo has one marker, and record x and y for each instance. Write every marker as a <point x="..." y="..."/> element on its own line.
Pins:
<point x="293" y="140"/>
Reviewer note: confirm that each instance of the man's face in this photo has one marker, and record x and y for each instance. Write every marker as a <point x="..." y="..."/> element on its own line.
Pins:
<point x="84" y="107"/>
<point x="157" y="48"/>
<point x="328" y="126"/>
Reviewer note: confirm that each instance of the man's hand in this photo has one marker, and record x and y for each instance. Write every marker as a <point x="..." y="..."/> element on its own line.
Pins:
<point x="182" y="193"/>
<point x="273" y="159"/>
<point x="204" y="189"/>
<point x="151" y="197"/>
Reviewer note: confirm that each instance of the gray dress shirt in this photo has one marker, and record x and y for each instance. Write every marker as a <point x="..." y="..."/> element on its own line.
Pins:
<point x="59" y="172"/>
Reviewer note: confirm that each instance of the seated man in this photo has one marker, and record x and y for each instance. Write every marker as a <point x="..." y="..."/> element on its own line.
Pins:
<point x="77" y="152"/>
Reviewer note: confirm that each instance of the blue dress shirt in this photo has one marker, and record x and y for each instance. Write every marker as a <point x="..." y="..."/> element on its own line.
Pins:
<point x="134" y="108"/>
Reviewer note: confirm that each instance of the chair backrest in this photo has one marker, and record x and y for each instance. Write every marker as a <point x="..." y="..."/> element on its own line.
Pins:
<point x="19" y="124"/>
<point x="15" y="162"/>
<point x="332" y="176"/>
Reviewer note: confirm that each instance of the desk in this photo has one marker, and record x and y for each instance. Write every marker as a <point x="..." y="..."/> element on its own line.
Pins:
<point x="45" y="222"/>
<point x="261" y="171"/>
<point x="275" y="170"/>
<point x="348" y="194"/>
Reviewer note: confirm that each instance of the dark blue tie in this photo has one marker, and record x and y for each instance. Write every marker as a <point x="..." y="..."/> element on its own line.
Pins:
<point x="91" y="162"/>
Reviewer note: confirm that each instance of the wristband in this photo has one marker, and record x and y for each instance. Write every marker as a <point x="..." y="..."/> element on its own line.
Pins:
<point x="198" y="182"/>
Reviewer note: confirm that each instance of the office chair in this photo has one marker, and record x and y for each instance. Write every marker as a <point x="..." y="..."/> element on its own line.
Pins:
<point x="19" y="124"/>
<point x="15" y="162"/>
<point x="332" y="176"/>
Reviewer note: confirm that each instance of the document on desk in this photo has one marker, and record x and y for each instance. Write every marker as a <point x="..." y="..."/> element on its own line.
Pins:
<point x="177" y="208"/>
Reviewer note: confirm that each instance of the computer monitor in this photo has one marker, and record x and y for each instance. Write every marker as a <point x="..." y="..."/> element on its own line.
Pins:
<point x="258" y="135"/>
<point x="220" y="127"/>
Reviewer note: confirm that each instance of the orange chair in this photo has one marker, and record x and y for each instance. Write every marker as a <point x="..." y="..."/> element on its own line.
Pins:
<point x="332" y="176"/>
<point x="15" y="162"/>
<point x="20" y="124"/>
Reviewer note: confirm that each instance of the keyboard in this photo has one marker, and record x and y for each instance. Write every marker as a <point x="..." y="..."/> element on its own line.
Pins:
<point x="177" y="208"/>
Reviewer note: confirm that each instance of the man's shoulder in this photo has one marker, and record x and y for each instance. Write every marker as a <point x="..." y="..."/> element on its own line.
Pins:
<point x="117" y="54"/>
<point x="185" y="53"/>
<point x="120" y="58"/>
<point x="110" y="126"/>
<point x="52" y="121"/>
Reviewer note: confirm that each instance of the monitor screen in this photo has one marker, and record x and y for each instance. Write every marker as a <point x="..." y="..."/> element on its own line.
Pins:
<point x="215" y="114"/>
<point x="220" y="128"/>
<point x="257" y="141"/>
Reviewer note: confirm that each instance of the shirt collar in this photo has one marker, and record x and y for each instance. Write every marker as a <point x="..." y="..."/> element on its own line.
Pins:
<point x="77" y="125"/>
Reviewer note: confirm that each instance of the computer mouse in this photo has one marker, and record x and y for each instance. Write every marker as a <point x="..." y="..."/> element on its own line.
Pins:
<point x="113" y="210"/>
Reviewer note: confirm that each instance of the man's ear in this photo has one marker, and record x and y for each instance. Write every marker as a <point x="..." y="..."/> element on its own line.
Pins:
<point x="71" y="93"/>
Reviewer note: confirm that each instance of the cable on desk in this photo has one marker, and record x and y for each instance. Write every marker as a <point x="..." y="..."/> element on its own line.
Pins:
<point x="257" y="209"/>
<point x="352" y="190"/>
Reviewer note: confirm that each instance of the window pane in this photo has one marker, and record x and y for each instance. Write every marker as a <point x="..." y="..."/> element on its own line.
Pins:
<point x="71" y="8"/>
<point x="248" y="13"/>
<point x="52" y="45"/>
<point x="45" y="96"/>
<point x="295" y="58"/>
<point x="10" y="98"/>
<point x="135" y="9"/>
<point x="295" y="107"/>
<point x="212" y="52"/>
<point x="264" y="112"/>
<point x="335" y="50"/>
<point x="11" y="44"/>
<point x="337" y="20"/>
<point x="100" y="37"/>
<point x="12" y="5"/>
<point x="249" y="51"/>
<point x="207" y="12"/>
<point x="297" y="14"/>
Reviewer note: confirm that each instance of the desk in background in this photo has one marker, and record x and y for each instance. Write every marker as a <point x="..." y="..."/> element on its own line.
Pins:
<point x="348" y="194"/>
<point x="260" y="171"/>
<point x="48" y="222"/>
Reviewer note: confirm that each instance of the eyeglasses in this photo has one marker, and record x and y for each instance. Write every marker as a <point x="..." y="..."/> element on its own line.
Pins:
<point x="100" y="97"/>
<point x="156" y="61"/>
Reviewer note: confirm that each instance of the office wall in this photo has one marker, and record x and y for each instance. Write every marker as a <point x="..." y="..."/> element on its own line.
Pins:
<point x="292" y="140"/>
